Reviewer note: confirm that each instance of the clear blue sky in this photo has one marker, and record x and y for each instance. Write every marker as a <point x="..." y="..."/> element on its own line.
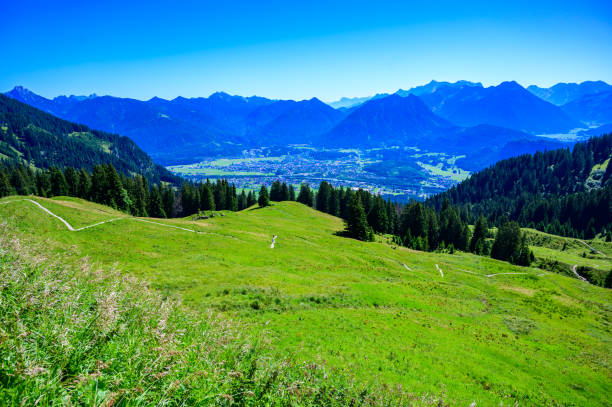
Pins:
<point x="291" y="49"/>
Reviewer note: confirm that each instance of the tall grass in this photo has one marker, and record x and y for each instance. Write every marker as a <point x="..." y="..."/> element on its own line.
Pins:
<point x="79" y="336"/>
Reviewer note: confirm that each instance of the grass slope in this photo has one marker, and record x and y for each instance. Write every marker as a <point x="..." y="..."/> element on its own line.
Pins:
<point x="535" y="338"/>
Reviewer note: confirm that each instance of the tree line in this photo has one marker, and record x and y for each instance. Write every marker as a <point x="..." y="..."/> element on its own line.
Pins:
<point x="558" y="191"/>
<point x="414" y="225"/>
<point x="133" y="195"/>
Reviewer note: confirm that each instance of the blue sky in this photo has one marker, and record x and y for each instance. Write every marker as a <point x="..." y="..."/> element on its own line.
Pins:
<point x="284" y="49"/>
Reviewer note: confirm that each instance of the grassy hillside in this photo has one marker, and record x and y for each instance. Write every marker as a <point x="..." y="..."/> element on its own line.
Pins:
<point x="382" y="314"/>
<point x="593" y="258"/>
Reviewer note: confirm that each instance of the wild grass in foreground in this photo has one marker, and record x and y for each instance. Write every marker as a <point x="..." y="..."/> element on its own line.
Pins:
<point x="78" y="336"/>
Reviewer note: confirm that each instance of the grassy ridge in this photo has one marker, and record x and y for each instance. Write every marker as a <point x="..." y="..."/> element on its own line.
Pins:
<point x="535" y="338"/>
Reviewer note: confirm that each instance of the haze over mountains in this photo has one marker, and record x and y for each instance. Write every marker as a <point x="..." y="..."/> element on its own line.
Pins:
<point x="440" y="116"/>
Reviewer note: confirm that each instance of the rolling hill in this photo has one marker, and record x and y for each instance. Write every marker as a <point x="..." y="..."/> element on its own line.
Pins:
<point x="449" y="328"/>
<point x="32" y="137"/>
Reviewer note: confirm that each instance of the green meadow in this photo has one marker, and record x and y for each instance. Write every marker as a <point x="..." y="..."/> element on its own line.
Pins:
<point x="459" y="327"/>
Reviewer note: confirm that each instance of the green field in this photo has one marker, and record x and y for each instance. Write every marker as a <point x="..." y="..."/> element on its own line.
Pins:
<point x="382" y="314"/>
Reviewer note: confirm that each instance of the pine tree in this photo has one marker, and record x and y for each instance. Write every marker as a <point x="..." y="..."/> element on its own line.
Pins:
<point x="356" y="223"/>
<point x="264" y="198"/>
<point x="477" y="244"/>
<point x="84" y="184"/>
<point x="334" y="203"/>
<point x="155" y="206"/>
<point x="72" y="179"/>
<point x="322" y="200"/>
<point x="242" y="201"/>
<point x="377" y="218"/>
<point x="284" y="194"/>
<point x="116" y="192"/>
<point x="305" y="196"/>
<point x="207" y="198"/>
<point x="58" y="182"/>
<point x="291" y="193"/>
<point x="276" y="191"/>
<point x="5" y="186"/>
<point x="251" y="199"/>
<point x="168" y="201"/>
<point x="510" y="245"/>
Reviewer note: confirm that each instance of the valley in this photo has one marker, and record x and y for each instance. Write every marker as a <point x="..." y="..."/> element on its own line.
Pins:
<point x="397" y="173"/>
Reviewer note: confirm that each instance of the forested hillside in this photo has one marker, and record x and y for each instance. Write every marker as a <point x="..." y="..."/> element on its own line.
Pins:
<point x="561" y="191"/>
<point x="34" y="138"/>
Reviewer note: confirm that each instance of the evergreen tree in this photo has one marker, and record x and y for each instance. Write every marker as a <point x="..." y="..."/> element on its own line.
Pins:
<point x="356" y="223"/>
<point x="323" y="195"/>
<point x="334" y="203"/>
<point x="242" y="200"/>
<point x="5" y="186"/>
<point x="291" y="193"/>
<point x="155" y="207"/>
<point x="251" y="199"/>
<point x="510" y="245"/>
<point x="207" y="198"/>
<point x="84" y="184"/>
<point x="72" y="179"/>
<point x="477" y="244"/>
<point x="284" y="194"/>
<point x="377" y="218"/>
<point x="58" y="182"/>
<point x="116" y="192"/>
<point x="276" y="191"/>
<point x="306" y="195"/>
<point x="264" y="198"/>
<point x="168" y="201"/>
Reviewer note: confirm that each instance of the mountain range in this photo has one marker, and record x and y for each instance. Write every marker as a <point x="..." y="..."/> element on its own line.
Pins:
<point x="463" y="116"/>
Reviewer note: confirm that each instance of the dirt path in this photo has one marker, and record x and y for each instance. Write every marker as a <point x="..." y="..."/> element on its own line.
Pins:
<point x="440" y="270"/>
<point x="499" y="274"/>
<point x="574" y="267"/>
<point x="72" y="229"/>
<point x="406" y="267"/>
<point x="592" y="248"/>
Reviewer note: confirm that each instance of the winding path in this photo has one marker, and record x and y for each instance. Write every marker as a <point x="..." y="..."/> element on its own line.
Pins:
<point x="72" y="229"/>
<point x="574" y="267"/>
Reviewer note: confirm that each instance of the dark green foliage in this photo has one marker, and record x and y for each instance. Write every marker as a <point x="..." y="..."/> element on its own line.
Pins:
<point x="279" y="192"/>
<point x="547" y="191"/>
<point x="242" y="200"/>
<point x="264" y="199"/>
<point x="377" y="218"/>
<point x="608" y="282"/>
<point x="323" y="195"/>
<point x="478" y="243"/>
<point x="251" y="199"/>
<point x="44" y="141"/>
<point x="5" y="185"/>
<point x="510" y="245"/>
<point x="291" y="193"/>
<point x="306" y="196"/>
<point x="356" y="223"/>
<point x="129" y="194"/>
<point x="155" y="206"/>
